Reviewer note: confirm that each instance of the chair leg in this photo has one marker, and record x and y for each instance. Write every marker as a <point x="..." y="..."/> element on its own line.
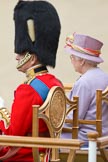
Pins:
<point x="104" y="155"/>
<point x="35" y="155"/>
<point x="55" y="155"/>
<point x="71" y="156"/>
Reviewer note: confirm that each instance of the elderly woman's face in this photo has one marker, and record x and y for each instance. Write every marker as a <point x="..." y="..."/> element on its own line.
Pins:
<point x="77" y="62"/>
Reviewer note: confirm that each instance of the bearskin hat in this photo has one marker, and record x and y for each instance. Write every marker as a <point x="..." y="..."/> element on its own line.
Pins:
<point x="46" y="30"/>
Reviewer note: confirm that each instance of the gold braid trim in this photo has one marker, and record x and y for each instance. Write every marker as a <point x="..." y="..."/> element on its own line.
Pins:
<point x="24" y="60"/>
<point x="5" y="116"/>
<point x="31" y="73"/>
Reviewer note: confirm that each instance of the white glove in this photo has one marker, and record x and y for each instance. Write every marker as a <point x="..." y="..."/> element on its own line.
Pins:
<point x="1" y="102"/>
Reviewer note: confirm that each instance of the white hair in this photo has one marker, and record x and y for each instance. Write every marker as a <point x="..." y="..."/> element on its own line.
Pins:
<point x="92" y="63"/>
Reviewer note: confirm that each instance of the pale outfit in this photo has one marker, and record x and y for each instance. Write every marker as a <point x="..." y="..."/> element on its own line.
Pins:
<point x="2" y="103"/>
<point x="85" y="87"/>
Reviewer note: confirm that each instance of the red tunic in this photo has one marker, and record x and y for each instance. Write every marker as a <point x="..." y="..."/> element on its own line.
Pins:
<point x="21" y="116"/>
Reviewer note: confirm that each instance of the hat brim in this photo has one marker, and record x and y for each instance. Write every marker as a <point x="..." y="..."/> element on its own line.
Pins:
<point x="84" y="56"/>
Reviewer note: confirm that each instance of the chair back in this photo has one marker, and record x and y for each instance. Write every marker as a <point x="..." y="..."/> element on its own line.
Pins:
<point x="67" y="87"/>
<point x="101" y="96"/>
<point x="52" y="112"/>
<point x="72" y="106"/>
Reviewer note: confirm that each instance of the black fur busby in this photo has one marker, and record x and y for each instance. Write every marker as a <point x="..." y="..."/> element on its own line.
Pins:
<point x="46" y="30"/>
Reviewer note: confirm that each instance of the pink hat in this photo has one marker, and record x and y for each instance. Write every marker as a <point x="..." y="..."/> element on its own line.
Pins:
<point x="85" y="47"/>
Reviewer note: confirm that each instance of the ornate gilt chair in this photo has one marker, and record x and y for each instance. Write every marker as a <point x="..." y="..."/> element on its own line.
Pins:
<point x="53" y="113"/>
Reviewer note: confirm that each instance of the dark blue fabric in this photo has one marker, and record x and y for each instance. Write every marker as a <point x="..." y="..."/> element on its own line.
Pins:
<point x="40" y="87"/>
<point x="85" y="146"/>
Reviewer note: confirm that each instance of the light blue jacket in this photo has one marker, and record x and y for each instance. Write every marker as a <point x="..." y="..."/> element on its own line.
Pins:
<point x="85" y="87"/>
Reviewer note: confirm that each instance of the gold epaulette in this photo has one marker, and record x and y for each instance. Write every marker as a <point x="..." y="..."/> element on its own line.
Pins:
<point x="5" y="116"/>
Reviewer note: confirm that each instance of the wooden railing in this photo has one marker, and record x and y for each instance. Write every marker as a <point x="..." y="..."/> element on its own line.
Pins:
<point x="36" y="142"/>
<point x="45" y="142"/>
